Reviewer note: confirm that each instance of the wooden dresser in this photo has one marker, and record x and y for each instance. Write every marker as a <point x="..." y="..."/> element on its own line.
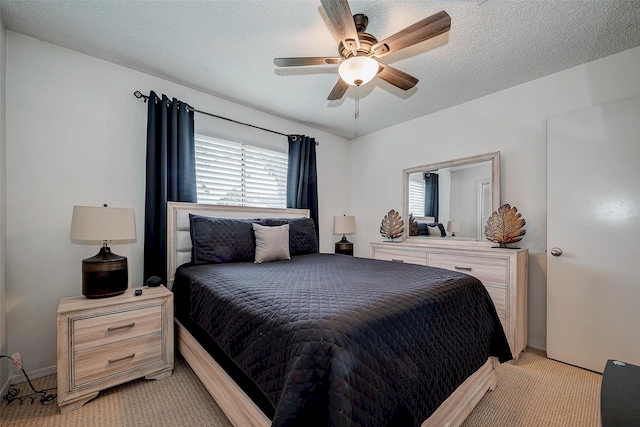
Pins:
<point x="108" y="341"/>
<point x="502" y="271"/>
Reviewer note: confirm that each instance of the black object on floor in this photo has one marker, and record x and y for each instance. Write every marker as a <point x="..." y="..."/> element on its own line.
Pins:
<point x="620" y="395"/>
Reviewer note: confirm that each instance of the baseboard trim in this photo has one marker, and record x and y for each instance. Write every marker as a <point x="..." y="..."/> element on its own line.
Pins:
<point x="38" y="373"/>
<point x="537" y="346"/>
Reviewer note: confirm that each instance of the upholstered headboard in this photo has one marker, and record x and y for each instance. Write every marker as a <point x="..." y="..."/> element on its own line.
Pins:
<point x="179" y="236"/>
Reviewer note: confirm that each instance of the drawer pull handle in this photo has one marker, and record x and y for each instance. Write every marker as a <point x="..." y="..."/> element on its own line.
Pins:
<point x="396" y="260"/>
<point x="117" y="328"/>
<point x="120" y="359"/>
<point x="462" y="268"/>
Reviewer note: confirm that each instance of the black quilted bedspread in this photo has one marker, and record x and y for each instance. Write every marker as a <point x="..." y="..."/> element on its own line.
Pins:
<point x="333" y="340"/>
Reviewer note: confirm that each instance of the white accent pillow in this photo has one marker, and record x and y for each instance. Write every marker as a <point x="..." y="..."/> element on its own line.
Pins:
<point x="272" y="243"/>
<point x="433" y="231"/>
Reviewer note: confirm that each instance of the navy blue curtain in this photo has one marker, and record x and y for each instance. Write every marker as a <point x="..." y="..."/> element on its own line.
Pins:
<point x="431" y="195"/>
<point x="302" y="176"/>
<point x="171" y="174"/>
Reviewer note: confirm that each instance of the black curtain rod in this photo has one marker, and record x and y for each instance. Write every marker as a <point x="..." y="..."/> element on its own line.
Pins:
<point x="139" y="95"/>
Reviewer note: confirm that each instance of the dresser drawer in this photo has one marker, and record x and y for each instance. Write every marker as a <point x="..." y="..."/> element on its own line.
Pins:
<point x="110" y="328"/>
<point x="503" y="321"/>
<point x="488" y="270"/>
<point x="499" y="296"/>
<point x="105" y="361"/>
<point x="503" y="272"/>
<point x="401" y="256"/>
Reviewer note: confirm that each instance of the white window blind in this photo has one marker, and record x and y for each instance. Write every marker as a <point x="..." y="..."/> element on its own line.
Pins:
<point x="231" y="173"/>
<point x="416" y="198"/>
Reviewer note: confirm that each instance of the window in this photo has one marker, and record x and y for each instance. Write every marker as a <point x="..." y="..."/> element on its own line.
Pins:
<point x="232" y="173"/>
<point x="416" y="198"/>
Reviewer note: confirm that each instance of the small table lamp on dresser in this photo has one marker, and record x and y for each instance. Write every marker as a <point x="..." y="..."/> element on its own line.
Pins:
<point x="344" y="225"/>
<point x="453" y="226"/>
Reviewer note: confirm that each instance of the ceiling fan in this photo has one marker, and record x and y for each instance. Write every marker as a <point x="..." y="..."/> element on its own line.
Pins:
<point x="357" y="49"/>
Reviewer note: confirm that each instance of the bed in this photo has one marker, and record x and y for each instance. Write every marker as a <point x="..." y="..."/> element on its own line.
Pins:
<point x="323" y="339"/>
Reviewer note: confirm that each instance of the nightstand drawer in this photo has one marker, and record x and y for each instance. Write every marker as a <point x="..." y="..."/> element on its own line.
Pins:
<point x="110" y="328"/>
<point x="101" y="362"/>
<point x="488" y="270"/>
<point x="401" y="256"/>
<point x="104" y="342"/>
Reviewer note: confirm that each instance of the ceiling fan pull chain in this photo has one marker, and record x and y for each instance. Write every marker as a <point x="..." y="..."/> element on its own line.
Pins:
<point x="357" y="101"/>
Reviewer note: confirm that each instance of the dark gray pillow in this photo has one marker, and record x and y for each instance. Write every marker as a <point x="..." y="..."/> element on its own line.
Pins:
<point x="422" y="229"/>
<point x="302" y="234"/>
<point x="220" y="240"/>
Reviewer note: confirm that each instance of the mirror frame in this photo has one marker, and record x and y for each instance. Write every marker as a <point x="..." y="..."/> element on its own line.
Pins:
<point x="494" y="157"/>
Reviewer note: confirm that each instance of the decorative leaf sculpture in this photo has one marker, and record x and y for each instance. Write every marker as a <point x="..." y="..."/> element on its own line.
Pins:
<point x="413" y="225"/>
<point x="392" y="225"/>
<point x="504" y="226"/>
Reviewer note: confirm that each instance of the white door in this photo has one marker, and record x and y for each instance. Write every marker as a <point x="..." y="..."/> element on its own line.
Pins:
<point x="593" y="217"/>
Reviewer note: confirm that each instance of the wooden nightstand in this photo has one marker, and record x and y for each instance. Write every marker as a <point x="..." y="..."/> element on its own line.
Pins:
<point x="108" y="341"/>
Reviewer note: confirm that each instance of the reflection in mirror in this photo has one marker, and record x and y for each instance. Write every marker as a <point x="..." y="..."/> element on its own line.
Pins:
<point x="457" y="196"/>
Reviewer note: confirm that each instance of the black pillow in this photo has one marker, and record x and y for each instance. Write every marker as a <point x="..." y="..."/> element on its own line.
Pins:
<point x="220" y="240"/>
<point x="422" y="229"/>
<point x="302" y="234"/>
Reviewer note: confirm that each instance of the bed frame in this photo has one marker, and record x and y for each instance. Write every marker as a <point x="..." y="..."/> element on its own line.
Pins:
<point x="234" y="402"/>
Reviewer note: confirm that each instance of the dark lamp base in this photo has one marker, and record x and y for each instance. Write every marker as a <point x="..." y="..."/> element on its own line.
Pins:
<point x="344" y="247"/>
<point x="104" y="275"/>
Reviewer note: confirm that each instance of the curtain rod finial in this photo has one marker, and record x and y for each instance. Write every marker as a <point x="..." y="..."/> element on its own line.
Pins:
<point x="139" y="95"/>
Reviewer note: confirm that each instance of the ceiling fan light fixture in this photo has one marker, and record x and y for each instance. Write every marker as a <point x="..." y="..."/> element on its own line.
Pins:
<point x="358" y="70"/>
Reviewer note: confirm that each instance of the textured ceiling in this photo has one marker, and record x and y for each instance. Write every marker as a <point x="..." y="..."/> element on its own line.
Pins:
<point x="226" y="48"/>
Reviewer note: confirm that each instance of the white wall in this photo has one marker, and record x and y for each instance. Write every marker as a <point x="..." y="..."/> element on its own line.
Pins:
<point x="76" y="136"/>
<point x="4" y="372"/>
<point x="513" y="122"/>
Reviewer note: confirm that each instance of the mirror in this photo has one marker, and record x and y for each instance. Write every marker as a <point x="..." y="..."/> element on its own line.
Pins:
<point x="459" y="194"/>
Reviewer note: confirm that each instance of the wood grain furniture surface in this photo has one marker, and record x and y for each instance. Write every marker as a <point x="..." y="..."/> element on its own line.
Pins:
<point x="503" y="272"/>
<point x="236" y="404"/>
<point x="108" y="341"/>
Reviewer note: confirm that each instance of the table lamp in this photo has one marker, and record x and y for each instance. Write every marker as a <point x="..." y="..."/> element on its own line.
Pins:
<point x="105" y="274"/>
<point x="453" y="226"/>
<point x="344" y="225"/>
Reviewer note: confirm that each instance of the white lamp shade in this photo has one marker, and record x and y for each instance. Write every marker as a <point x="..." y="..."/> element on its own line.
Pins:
<point x="344" y="224"/>
<point x="358" y="70"/>
<point x="453" y="226"/>
<point x="98" y="224"/>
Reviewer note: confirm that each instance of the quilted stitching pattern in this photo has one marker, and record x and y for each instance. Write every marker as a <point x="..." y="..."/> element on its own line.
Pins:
<point x="343" y="341"/>
<point x="220" y="240"/>
<point x="302" y="234"/>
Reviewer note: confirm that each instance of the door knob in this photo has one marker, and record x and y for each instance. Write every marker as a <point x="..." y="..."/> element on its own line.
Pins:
<point x="556" y="251"/>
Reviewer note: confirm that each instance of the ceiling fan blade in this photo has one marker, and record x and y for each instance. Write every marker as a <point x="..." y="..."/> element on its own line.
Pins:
<point x="301" y="62"/>
<point x="339" y="13"/>
<point x="425" y="29"/>
<point x="338" y="90"/>
<point x="396" y="77"/>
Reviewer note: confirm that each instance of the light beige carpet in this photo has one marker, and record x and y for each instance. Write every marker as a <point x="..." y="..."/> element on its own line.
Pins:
<point x="180" y="400"/>
<point x="539" y="392"/>
<point x="534" y="392"/>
